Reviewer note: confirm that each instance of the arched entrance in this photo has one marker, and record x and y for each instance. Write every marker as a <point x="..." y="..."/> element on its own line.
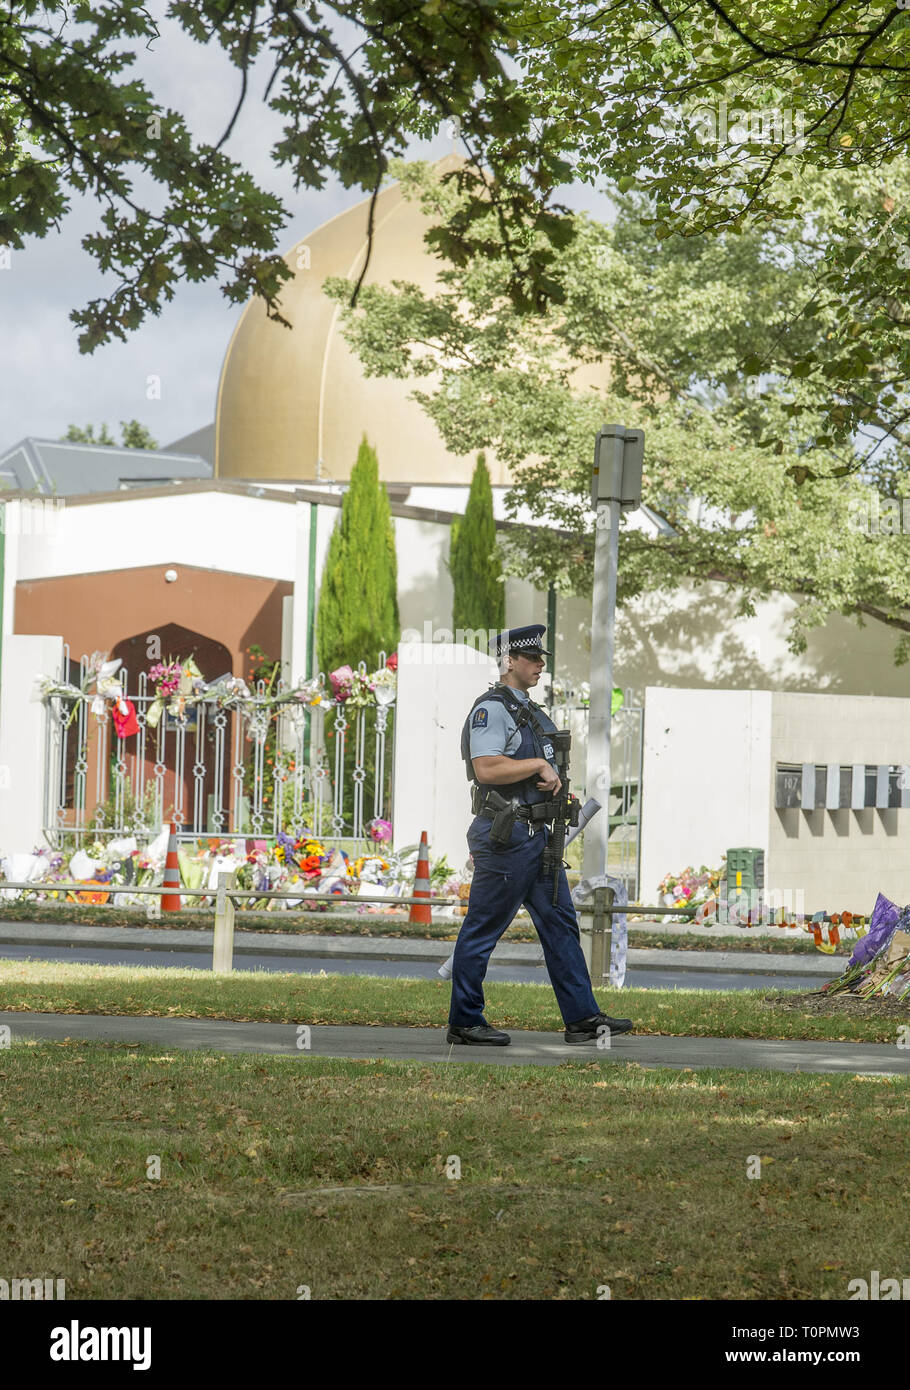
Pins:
<point x="168" y="641"/>
<point x="181" y="760"/>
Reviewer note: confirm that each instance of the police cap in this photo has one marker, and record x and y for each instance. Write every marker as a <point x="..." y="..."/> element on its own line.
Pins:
<point x="520" y="641"/>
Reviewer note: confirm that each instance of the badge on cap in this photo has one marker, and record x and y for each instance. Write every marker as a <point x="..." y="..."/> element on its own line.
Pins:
<point x="480" y="719"/>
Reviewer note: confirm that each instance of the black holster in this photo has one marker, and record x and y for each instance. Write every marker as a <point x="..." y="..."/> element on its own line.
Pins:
<point x="503" y="822"/>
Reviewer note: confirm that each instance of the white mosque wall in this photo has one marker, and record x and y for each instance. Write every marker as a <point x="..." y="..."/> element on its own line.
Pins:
<point x="11" y="562"/>
<point x="690" y="637"/>
<point x="693" y="637"/>
<point x="327" y="518"/>
<point x="220" y="531"/>
<point x="706" y="779"/>
<point x="424" y="584"/>
<point x="23" y="740"/>
<point x="438" y="683"/>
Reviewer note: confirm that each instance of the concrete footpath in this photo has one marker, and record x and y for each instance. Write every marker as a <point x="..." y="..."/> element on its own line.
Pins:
<point x="337" y="947"/>
<point x="429" y="1045"/>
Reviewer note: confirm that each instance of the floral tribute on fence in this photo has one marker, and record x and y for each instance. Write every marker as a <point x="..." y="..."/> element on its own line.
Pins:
<point x="703" y="889"/>
<point x="691" y="888"/>
<point x="109" y="870"/>
<point x="179" y="686"/>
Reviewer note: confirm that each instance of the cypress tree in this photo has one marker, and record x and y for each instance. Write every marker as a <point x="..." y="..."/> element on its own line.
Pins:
<point x="478" y="599"/>
<point x="358" y="600"/>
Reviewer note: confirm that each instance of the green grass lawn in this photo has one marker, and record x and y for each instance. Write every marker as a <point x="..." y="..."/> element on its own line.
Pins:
<point x="281" y="1172"/>
<point x="60" y="987"/>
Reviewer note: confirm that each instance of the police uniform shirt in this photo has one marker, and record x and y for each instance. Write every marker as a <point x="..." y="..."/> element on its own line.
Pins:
<point x="494" y="732"/>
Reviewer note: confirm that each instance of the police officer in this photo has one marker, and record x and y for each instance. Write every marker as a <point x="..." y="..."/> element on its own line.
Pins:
<point x="505" y="746"/>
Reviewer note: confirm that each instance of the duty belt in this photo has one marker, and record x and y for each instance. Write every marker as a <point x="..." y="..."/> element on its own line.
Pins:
<point x="536" y="815"/>
<point x="523" y="815"/>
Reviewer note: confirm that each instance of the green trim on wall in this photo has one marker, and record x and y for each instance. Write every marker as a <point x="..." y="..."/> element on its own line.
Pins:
<point x="310" y="616"/>
<point x="311" y="591"/>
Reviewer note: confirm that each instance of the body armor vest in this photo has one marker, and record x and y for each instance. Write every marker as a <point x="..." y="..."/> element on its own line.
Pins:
<point x="533" y="725"/>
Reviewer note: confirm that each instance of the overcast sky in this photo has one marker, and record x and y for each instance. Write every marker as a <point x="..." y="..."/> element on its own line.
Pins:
<point x="46" y="384"/>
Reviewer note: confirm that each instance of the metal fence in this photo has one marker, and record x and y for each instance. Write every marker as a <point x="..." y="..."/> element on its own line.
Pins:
<point x="221" y="771"/>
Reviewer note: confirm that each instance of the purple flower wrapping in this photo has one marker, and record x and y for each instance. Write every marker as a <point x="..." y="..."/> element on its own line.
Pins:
<point x="882" y="924"/>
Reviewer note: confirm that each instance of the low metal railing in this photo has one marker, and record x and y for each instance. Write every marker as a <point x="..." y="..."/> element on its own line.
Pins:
<point x="601" y="909"/>
<point x="227" y="897"/>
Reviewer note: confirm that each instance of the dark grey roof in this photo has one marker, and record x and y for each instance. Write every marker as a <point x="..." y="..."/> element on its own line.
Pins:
<point x="63" y="469"/>
<point x="201" y="442"/>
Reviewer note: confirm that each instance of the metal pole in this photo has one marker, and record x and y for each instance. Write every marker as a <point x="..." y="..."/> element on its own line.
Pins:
<point x="551" y="634"/>
<point x="598" y="781"/>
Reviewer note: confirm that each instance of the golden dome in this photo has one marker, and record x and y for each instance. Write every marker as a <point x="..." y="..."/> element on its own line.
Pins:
<point x="289" y="398"/>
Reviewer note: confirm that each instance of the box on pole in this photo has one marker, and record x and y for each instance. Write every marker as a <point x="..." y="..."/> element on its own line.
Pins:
<point x="617" y="471"/>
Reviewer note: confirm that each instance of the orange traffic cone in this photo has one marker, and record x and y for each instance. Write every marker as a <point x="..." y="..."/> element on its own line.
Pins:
<point x="420" y="912"/>
<point x="169" y="901"/>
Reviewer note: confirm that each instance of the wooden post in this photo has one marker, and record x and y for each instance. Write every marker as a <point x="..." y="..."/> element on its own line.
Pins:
<point x="223" y="948"/>
<point x="601" y="925"/>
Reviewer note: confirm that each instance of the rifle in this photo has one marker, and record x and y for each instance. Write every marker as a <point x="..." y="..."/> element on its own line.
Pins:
<point x="565" y="808"/>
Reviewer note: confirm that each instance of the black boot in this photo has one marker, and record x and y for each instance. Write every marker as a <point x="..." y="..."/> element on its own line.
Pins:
<point x="589" y="1029"/>
<point x="481" y="1035"/>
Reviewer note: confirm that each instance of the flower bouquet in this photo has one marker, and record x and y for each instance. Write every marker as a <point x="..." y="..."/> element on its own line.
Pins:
<point x="880" y="963"/>
<point x="690" y="888"/>
<point x="341" y="681"/>
<point x="175" y="683"/>
<point x="380" y="831"/>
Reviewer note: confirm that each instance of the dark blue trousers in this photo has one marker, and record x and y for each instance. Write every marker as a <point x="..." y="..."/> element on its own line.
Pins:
<point x="504" y="879"/>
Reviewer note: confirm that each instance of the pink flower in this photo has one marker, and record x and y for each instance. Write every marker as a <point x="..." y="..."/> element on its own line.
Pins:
<point x="380" y="830"/>
<point x="342" y="678"/>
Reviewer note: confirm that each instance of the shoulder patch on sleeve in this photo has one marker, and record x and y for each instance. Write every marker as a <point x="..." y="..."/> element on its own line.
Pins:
<point x="480" y="719"/>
